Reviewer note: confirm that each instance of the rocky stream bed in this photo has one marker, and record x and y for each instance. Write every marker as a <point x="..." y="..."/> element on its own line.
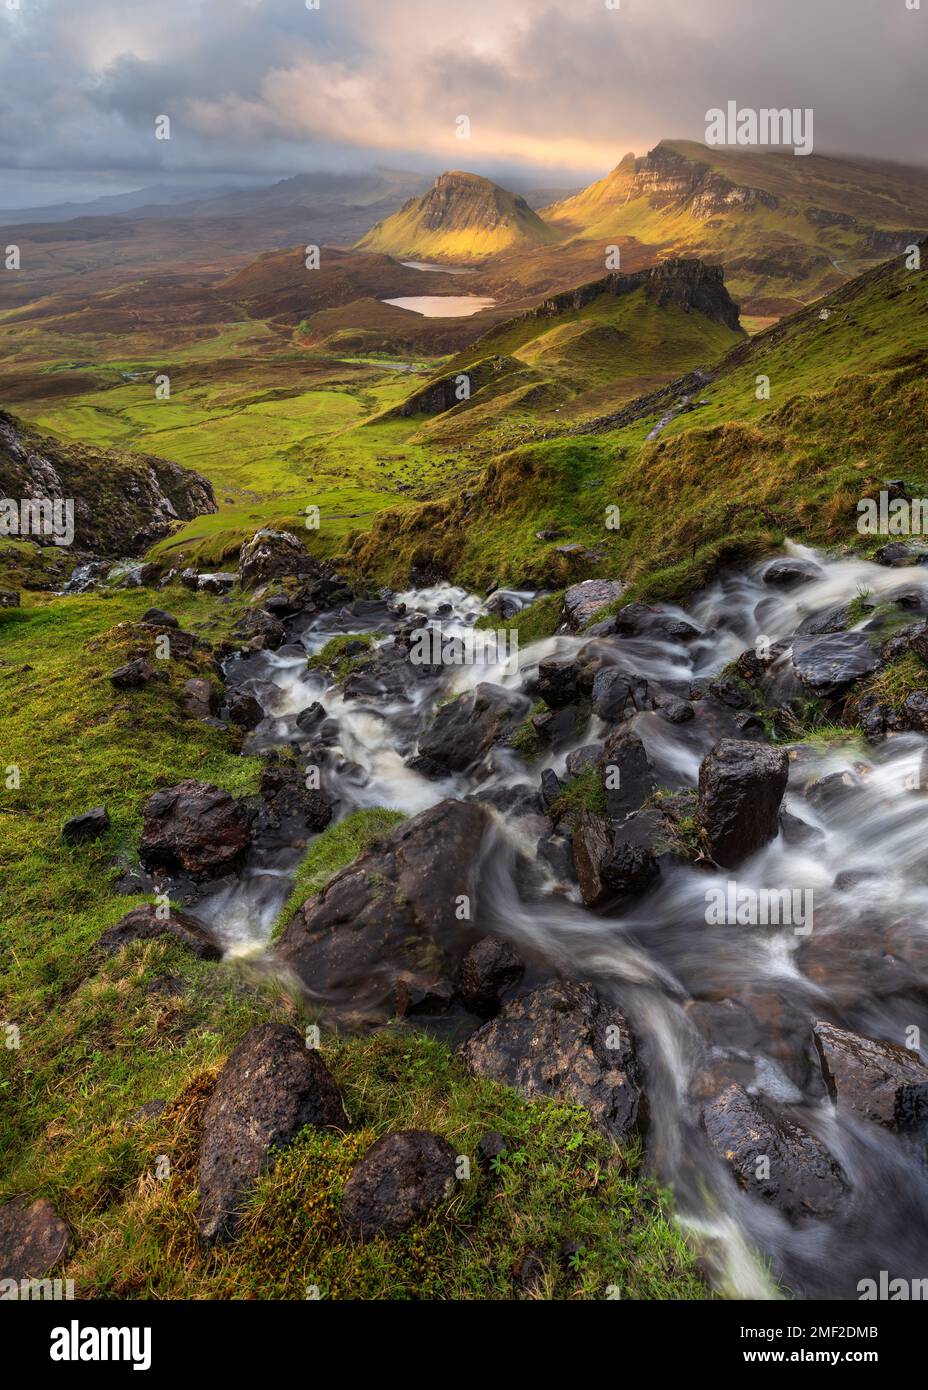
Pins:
<point x="544" y="904"/>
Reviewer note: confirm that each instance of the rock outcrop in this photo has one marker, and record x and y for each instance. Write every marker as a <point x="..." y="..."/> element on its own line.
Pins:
<point x="772" y="1158"/>
<point x="193" y="828"/>
<point x="271" y="1087"/>
<point x="398" y="1182"/>
<point x="399" y="919"/>
<point x="271" y="555"/>
<point x="563" y="1042"/>
<point x="123" y="502"/>
<point x="741" y="786"/>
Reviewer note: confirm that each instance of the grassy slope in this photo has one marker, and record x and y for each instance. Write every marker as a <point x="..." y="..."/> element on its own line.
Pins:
<point x="277" y="429"/>
<point x="99" y="1037"/>
<point x="625" y="344"/>
<point x="883" y="196"/>
<point x="848" y="406"/>
<point x="534" y="377"/>
<point x="263" y="420"/>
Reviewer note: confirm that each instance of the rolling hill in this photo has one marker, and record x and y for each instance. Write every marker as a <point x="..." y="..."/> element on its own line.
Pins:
<point x="786" y="230"/>
<point x="698" y="478"/>
<point x="462" y="218"/>
<point x="561" y="362"/>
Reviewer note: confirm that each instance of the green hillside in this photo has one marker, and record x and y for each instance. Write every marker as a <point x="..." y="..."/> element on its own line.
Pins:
<point x="848" y="406"/>
<point x="579" y="354"/>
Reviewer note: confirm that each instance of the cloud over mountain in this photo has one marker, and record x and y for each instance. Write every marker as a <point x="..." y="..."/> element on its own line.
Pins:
<point x="273" y="86"/>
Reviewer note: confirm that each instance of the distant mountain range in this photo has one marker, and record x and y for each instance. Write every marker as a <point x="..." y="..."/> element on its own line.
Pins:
<point x="786" y="231"/>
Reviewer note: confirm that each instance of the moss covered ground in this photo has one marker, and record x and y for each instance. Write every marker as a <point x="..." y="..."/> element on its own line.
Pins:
<point x="92" y="1039"/>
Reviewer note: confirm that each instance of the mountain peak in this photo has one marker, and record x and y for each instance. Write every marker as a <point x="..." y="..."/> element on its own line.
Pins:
<point x="462" y="217"/>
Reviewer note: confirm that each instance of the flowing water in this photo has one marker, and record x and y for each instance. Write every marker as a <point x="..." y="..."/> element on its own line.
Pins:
<point x="707" y="1003"/>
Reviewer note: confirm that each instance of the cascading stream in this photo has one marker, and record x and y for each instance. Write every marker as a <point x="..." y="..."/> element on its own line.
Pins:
<point x="865" y="963"/>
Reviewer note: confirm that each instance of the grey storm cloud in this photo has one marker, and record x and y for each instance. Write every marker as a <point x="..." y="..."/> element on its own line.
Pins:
<point x="273" y="86"/>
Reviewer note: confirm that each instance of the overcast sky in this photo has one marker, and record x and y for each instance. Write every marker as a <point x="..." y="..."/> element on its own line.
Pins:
<point x="558" y="89"/>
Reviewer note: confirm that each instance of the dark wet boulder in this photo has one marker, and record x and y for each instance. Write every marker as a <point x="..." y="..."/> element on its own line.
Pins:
<point x="790" y="573"/>
<point x="731" y="691"/>
<point x="772" y="1158"/>
<point x="33" y="1238"/>
<point x="591" y="845"/>
<point x="874" y="717"/>
<point x="581" y="760"/>
<point x="563" y="1042"/>
<point x="826" y="793"/>
<point x="309" y="719"/>
<point x="406" y="908"/>
<point x="89" y="825"/>
<point x="199" y="697"/>
<point x="148" y="923"/>
<point x="194" y="828"/>
<point x="555" y="852"/>
<point x="908" y="599"/>
<point x="676" y="711"/>
<point x="159" y="617"/>
<point x="631" y="868"/>
<point x="610" y="867"/>
<point x="488" y="969"/>
<point x="618" y="695"/>
<point x="558" y="728"/>
<point x="399" y="1181"/>
<point x="260" y="629"/>
<point x="271" y="555"/>
<point x="557" y="682"/>
<point x="639" y="620"/>
<point x="502" y="604"/>
<point x="583" y="601"/>
<point x="514" y="802"/>
<point x="135" y="674"/>
<point x="834" y="619"/>
<point x="881" y="1081"/>
<point x="242" y="709"/>
<point x="9" y="598"/>
<point x="289" y="810"/>
<point x="916" y="710"/>
<point x="913" y="638"/>
<point x="628" y="776"/>
<point x="551" y="787"/>
<point x="283" y="605"/>
<point x="463" y="731"/>
<point x="797" y="831"/>
<point x="828" y="664"/>
<point x="271" y="1087"/>
<point x="741" y="786"/>
<point x="422" y="993"/>
<point x="217" y="582"/>
<point x="898" y="555"/>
